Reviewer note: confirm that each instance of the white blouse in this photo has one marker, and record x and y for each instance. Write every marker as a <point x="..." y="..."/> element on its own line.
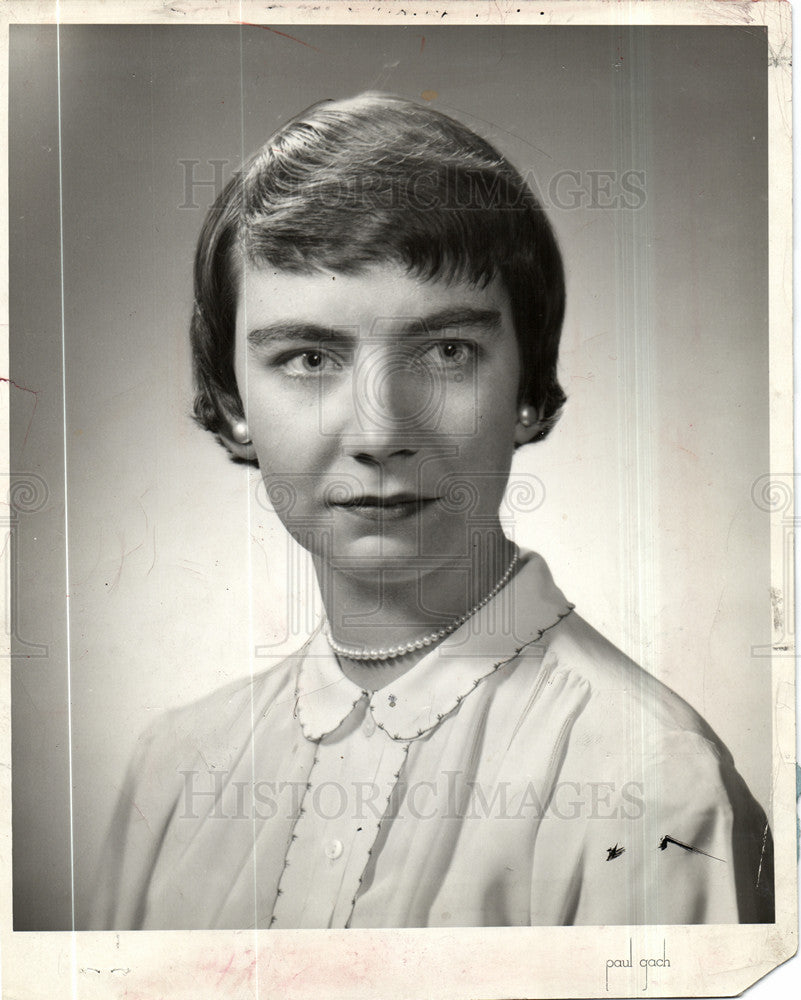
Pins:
<point x="525" y="772"/>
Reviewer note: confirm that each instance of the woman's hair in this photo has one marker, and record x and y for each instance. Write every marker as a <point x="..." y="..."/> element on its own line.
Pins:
<point x="377" y="179"/>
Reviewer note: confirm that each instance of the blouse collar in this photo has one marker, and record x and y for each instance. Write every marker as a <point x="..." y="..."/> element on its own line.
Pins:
<point x="418" y="700"/>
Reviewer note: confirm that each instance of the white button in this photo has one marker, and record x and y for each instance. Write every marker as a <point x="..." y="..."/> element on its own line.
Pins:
<point x="368" y="725"/>
<point x="333" y="850"/>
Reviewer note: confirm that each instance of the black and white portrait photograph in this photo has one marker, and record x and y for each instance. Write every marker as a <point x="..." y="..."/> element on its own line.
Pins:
<point x="399" y="500"/>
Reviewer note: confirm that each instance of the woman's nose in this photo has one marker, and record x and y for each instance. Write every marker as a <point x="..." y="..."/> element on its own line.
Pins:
<point x="395" y="403"/>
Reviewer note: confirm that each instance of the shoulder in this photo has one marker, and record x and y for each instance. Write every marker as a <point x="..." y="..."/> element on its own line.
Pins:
<point x="634" y="730"/>
<point x="625" y="702"/>
<point x="618" y="696"/>
<point x="217" y="727"/>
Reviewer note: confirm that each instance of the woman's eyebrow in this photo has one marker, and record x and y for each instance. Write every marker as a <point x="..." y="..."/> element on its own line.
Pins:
<point x="306" y="332"/>
<point x="460" y="318"/>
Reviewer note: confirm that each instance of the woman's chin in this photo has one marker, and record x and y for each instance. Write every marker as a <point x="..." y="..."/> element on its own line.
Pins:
<point x="372" y="555"/>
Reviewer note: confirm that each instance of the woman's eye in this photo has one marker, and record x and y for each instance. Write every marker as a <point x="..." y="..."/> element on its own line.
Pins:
<point x="309" y="363"/>
<point x="454" y="352"/>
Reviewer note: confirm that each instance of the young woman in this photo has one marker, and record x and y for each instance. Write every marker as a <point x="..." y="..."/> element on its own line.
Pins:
<point x="379" y="300"/>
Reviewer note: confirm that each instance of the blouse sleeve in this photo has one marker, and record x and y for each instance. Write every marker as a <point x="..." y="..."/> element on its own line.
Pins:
<point x="677" y="840"/>
<point x="144" y="806"/>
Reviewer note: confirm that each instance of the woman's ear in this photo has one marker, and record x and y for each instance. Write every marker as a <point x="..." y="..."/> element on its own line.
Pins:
<point x="237" y="440"/>
<point x="529" y="424"/>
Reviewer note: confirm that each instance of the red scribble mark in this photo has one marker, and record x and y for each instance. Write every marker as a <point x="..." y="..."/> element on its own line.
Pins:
<point x="422" y="42"/>
<point x="225" y="970"/>
<point x="275" y="31"/>
<point x="235" y="977"/>
<point x="144" y="818"/>
<point x="35" y="395"/>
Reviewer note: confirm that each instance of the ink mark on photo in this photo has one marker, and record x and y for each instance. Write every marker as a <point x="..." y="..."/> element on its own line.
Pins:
<point x="663" y="843"/>
<point x="283" y="34"/>
<point x="614" y="852"/>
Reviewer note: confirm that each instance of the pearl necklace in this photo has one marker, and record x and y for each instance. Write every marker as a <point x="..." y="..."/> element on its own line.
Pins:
<point x="393" y="652"/>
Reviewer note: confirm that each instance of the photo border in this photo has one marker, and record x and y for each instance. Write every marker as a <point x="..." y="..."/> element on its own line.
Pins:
<point x="493" y="963"/>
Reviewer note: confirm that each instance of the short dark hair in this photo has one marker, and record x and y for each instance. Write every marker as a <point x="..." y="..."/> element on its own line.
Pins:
<point x="377" y="179"/>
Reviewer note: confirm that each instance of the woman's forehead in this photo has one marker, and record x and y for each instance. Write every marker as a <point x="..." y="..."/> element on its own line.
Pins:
<point x="385" y="296"/>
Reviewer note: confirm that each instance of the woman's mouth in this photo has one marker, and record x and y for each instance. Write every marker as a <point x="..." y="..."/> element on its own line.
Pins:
<point x="388" y="508"/>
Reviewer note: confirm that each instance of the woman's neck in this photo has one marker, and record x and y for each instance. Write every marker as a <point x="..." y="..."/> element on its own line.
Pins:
<point x="395" y="607"/>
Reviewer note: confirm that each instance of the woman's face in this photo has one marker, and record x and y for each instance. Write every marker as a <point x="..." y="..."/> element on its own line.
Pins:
<point x="382" y="409"/>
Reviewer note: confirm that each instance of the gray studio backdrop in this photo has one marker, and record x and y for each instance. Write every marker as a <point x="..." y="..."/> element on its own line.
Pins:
<point x="649" y="149"/>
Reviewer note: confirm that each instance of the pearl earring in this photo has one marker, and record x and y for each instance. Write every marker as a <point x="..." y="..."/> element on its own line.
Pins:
<point x="527" y="416"/>
<point x="240" y="432"/>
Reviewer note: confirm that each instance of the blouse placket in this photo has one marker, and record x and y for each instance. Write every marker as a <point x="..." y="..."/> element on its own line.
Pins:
<point x="349" y="787"/>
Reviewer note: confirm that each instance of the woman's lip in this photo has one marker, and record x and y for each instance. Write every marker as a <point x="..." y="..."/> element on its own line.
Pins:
<point x="389" y="501"/>
<point x="385" y="508"/>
